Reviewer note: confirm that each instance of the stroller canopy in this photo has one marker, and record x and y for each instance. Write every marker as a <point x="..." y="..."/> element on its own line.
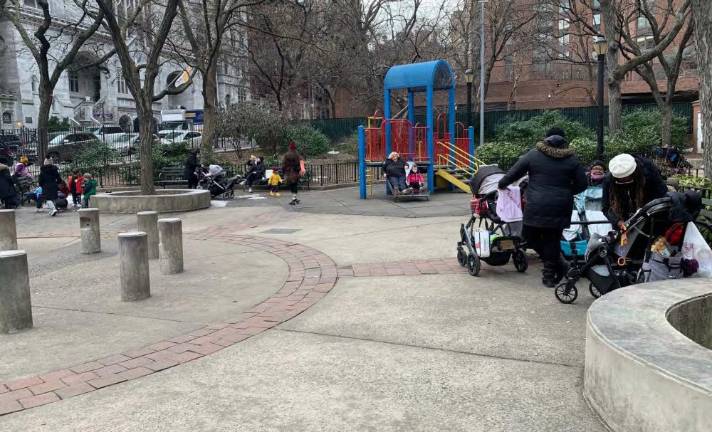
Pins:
<point x="483" y="181"/>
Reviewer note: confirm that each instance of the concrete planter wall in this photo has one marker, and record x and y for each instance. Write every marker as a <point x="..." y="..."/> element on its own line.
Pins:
<point x="164" y="201"/>
<point x="641" y="372"/>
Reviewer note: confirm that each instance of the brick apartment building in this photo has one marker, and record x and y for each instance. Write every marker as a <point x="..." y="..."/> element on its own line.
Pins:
<point x="558" y="68"/>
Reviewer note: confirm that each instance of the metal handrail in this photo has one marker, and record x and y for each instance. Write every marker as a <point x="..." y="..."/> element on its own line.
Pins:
<point x="460" y="158"/>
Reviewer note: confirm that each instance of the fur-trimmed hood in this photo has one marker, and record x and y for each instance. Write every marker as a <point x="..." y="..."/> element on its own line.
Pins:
<point x="555" y="147"/>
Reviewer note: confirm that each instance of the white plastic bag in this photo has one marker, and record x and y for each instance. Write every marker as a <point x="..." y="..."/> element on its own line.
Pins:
<point x="481" y="239"/>
<point x="695" y="247"/>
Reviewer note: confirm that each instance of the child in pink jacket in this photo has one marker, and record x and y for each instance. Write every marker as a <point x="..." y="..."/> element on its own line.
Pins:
<point x="415" y="180"/>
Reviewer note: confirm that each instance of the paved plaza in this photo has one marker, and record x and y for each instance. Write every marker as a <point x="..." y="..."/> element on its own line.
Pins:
<point x="336" y="315"/>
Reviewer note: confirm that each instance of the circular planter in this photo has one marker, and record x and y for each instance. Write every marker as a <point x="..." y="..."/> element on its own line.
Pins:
<point x="648" y="358"/>
<point x="165" y="201"/>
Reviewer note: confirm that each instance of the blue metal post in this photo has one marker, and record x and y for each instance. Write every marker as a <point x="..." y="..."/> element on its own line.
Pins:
<point x="387" y="119"/>
<point x="411" y="120"/>
<point x="362" y="162"/>
<point x="429" y="134"/>
<point x="451" y="123"/>
<point x="471" y="136"/>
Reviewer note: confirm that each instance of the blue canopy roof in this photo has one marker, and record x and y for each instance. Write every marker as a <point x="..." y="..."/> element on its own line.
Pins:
<point x="418" y="76"/>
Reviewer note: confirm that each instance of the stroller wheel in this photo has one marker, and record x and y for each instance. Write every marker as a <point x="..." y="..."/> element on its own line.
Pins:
<point x="520" y="261"/>
<point x="566" y="292"/>
<point x="473" y="265"/>
<point x="461" y="256"/>
<point x="593" y="290"/>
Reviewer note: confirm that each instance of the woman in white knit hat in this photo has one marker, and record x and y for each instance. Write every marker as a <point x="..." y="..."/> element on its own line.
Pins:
<point x="631" y="183"/>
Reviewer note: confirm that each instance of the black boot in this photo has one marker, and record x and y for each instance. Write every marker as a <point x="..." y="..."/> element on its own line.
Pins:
<point x="562" y="268"/>
<point x="548" y="276"/>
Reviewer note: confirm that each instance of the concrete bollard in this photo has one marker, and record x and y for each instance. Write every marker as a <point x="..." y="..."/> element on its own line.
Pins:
<point x="148" y="223"/>
<point x="134" y="275"/>
<point x="15" y="304"/>
<point x="89" y="230"/>
<point x="8" y="230"/>
<point x="171" y="245"/>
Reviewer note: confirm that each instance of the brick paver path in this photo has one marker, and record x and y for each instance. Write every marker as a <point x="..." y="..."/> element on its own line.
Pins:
<point x="311" y="275"/>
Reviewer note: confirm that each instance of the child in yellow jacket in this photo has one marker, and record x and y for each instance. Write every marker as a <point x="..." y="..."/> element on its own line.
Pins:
<point x="274" y="180"/>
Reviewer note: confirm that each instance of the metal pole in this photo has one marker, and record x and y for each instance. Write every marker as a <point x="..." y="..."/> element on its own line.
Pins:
<point x="599" y="96"/>
<point x="482" y="72"/>
<point x="469" y="104"/>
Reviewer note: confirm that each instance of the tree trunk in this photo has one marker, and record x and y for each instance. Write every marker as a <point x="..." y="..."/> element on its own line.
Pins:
<point x="615" y="106"/>
<point x="702" y="14"/>
<point x="666" y="125"/>
<point x="210" y="113"/>
<point x="145" y="130"/>
<point x="43" y="124"/>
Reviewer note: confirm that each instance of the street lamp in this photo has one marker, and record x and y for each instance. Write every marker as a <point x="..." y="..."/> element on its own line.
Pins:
<point x="482" y="71"/>
<point x="600" y="47"/>
<point x="468" y="80"/>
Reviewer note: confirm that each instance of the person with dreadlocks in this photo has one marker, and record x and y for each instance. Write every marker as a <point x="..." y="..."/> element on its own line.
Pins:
<point x="631" y="183"/>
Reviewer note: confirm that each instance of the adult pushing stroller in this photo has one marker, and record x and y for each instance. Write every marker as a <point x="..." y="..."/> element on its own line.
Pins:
<point x="617" y="259"/>
<point x="494" y="240"/>
<point x="215" y="180"/>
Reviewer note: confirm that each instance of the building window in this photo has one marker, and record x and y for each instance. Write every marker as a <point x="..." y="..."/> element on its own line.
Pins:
<point x="121" y="82"/>
<point x="28" y="120"/>
<point x="645" y="43"/>
<point x="227" y="101"/>
<point x="7" y="117"/>
<point x="73" y="82"/>
<point x="241" y="94"/>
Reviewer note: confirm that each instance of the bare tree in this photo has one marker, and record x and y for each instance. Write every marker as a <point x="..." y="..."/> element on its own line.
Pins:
<point x="702" y="15"/>
<point x="206" y="24"/>
<point x="54" y="45"/>
<point x="669" y="61"/>
<point x="280" y="35"/>
<point x="140" y="69"/>
<point x="509" y="29"/>
<point x="619" y="17"/>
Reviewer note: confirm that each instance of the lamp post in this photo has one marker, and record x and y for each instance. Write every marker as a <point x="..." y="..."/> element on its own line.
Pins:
<point x="482" y="71"/>
<point x="468" y="80"/>
<point x="600" y="46"/>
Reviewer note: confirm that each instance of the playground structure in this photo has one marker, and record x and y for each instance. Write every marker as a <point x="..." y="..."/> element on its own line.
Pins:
<point x="443" y="146"/>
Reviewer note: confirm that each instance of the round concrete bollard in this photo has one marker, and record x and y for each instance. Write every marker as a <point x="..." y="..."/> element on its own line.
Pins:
<point x="148" y="223"/>
<point x="8" y="230"/>
<point x="133" y="253"/>
<point x="15" y="304"/>
<point x="89" y="230"/>
<point x="171" y="245"/>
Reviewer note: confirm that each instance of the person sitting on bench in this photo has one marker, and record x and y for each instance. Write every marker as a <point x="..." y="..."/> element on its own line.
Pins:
<point x="394" y="170"/>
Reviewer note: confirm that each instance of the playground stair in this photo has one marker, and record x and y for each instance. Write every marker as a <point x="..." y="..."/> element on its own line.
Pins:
<point x="456" y="166"/>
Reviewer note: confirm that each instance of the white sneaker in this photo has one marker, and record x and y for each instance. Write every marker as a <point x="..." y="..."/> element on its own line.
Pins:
<point x="53" y="212"/>
<point x="249" y="190"/>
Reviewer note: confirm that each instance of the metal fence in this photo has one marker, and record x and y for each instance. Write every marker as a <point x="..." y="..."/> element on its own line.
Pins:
<point x="338" y="128"/>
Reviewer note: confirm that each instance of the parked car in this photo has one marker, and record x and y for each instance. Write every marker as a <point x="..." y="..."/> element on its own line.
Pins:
<point x="63" y="148"/>
<point x="175" y="136"/>
<point x="9" y="143"/>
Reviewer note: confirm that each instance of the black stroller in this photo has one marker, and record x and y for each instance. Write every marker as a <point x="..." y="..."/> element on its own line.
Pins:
<point x="217" y="182"/>
<point x="504" y="240"/>
<point x="611" y="263"/>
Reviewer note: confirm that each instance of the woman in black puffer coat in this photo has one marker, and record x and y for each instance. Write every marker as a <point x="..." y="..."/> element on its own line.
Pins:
<point x="555" y="176"/>
<point x="8" y="194"/>
<point x="50" y="180"/>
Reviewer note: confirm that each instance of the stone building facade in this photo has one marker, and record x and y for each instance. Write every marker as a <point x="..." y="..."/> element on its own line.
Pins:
<point x="98" y="95"/>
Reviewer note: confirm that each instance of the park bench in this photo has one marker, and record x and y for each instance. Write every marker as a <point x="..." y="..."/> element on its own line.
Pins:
<point x="171" y="175"/>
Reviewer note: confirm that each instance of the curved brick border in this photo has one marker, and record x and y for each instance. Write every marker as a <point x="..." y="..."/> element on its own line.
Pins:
<point x="311" y="275"/>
